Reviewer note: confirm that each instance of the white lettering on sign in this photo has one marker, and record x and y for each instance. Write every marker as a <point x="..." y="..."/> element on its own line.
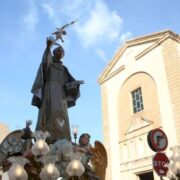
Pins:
<point x="159" y="163"/>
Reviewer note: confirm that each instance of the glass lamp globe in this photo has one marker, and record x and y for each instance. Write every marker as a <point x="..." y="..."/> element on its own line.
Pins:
<point x="40" y="148"/>
<point x="49" y="172"/>
<point x="17" y="171"/>
<point x="75" y="129"/>
<point x="75" y="168"/>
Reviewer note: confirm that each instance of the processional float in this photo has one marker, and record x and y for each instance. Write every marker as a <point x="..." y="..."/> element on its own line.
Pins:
<point x="29" y="155"/>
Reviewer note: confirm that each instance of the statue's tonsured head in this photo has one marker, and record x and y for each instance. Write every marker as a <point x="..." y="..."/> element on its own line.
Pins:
<point x="59" y="48"/>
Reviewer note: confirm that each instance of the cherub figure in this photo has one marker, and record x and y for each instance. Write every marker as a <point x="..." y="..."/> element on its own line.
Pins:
<point x="61" y="31"/>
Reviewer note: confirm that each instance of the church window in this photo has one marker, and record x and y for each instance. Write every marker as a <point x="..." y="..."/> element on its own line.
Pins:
<point x="137" y="100"/>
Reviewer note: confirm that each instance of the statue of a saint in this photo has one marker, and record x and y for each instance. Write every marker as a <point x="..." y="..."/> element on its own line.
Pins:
<point x="54" y="90"/>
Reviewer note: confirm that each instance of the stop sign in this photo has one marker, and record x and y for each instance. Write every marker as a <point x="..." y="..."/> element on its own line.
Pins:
<point x="160" y="162"/>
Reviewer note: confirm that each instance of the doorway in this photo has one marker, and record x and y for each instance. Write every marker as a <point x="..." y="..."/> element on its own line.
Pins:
<point x="146" y="176"/>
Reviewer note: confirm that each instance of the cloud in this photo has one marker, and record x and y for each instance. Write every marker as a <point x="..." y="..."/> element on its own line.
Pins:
<point x="49" y="10"/>
<point x="67" y="9"/>
<point x="53" y="12"/>
<point x="125" y="36"/>
<point x="31" y="18"/>
<point x="101" y="53"/>
<point x="101" y="25"/>
<point x="73" y="9"/>
<point x="97" y="23"/>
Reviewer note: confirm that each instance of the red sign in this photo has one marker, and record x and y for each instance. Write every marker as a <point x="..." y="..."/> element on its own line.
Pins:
<point x="157" y="140"/>
<point x="160" y="164"/>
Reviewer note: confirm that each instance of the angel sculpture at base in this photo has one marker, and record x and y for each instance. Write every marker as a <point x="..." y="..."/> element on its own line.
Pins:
<point x="89" y="158"/>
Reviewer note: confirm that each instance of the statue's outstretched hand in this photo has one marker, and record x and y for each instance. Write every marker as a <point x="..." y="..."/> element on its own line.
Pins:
<point x="50" y="41"/>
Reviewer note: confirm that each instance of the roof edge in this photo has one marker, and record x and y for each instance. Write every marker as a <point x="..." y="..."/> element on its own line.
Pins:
<point x="133" y="42"/>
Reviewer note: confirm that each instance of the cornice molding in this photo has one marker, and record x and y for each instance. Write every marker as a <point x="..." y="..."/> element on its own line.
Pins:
<point x="158" y="38"/>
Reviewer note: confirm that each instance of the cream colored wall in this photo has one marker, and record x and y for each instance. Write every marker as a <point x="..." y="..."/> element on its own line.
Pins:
<point x="4" y="130"/>
<point x="171" y="57"/>
<point x="111" y="138"/>
<point x="106" y="129"/>
<point x="151" y="63"/>
<point x="129" y="54"/>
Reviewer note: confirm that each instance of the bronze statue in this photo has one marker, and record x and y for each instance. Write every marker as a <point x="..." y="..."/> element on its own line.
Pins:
<point x="54" y="90"/>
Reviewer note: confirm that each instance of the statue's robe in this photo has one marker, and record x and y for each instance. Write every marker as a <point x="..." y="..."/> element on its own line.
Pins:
<point x="53" y="94"/>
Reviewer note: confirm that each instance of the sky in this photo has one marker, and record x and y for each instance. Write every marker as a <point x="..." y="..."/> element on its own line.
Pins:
<point x="102" y="27"/>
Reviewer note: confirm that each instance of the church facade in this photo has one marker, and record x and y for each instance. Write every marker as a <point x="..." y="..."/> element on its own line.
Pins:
<point x="4" y="131"/>
<point x="140" y="90"/>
